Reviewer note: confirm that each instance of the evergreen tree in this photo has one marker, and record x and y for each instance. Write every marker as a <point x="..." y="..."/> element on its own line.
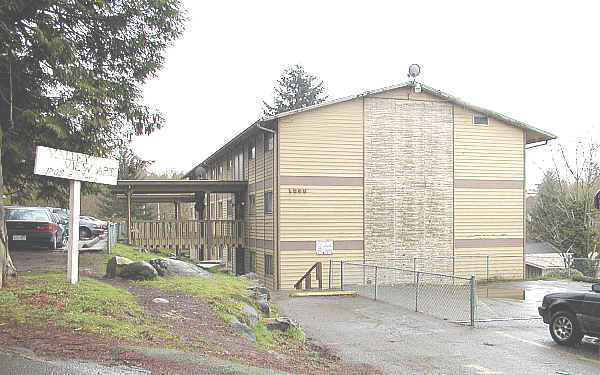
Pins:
<point x="295" y="89"/>
<point x="71" y="73"/>
<point x="131" y="167"/>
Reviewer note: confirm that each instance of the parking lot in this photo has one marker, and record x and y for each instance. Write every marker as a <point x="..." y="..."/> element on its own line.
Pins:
<point x="401" y="341"/>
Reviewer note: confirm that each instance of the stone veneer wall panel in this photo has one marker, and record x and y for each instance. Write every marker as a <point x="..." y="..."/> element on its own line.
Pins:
<point x="408" y="179"/>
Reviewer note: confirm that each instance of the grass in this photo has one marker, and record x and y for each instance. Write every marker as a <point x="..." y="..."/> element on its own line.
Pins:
<point x="225" y="293"/>
<point x="91" y="305"/>
<point x="127" y="251"/>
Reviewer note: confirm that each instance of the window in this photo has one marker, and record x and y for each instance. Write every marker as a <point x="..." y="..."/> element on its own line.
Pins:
<point x="268" y="265"/>
<point x="238" y="167"/>
<point x="252" y="260"/>
<point x="229" y="254"/>
<point x="268" y="141"/>
<point x="480" y="120"/>
<point x="220" y="171"/>
<point x="212" y="252"/>
<point x="268" y="202"/>
<point x="229" y="209"/>
<point x="212" y="211"/>
<point x="220" y="210"/>
<point x="251" y="204"/>
<point x="252" y="152"/>
<point x="220" y="252"/>
<point x="229" y="164"/>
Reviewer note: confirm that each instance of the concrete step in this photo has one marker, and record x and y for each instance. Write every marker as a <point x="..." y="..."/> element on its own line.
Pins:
<point x="323" y="293"/>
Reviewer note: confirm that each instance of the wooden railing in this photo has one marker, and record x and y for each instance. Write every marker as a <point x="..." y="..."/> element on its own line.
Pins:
<point x="307" y="278"/>
<point x="187" y="234"/>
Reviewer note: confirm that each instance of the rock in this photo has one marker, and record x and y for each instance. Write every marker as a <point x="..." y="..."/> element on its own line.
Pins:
<point x="255" y="291"/>
<point x="168" y="266"/>
<point x="251" y="276"/>
<point x="251" y="314"/>
<point x="160" y="300"/>
<point x="208" y="265"/>
<point x="263" y="305"/>
<point x="115" y="266"/>
<point x="242" y="329"/>
<point x="282" y="323"/>
<point x="138" y="271"/>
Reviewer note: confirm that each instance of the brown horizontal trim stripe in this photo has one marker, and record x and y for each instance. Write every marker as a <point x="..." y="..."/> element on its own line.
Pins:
<point x="251" y="242"/>
<point x="321" y="180"/>
<point x="311" y="245"/>
<point x="487" y="242"/>
<point x="260" y="243"/>
<point x="488" y="184"/>
<point x="260" y="185"/>
<point x="348" y="245"/>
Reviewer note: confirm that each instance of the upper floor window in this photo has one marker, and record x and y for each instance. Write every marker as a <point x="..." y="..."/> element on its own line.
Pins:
<point x="268" y="202"/>
<point x="220" y="171"/>
<point x="269" y="265"/>
<point x="229" y="208"/>
<point x="480" y="120"/>
<point x="251" y="204"/>
<point x="268" y="141"/>
<point x="220" y="210"/>
<point x="252" y="151"/>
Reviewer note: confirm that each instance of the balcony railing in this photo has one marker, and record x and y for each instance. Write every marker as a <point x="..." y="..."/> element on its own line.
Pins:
<point x="189" y="235"/>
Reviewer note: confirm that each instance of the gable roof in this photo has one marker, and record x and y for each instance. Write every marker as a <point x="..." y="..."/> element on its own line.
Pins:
<point x="533" y="134"/>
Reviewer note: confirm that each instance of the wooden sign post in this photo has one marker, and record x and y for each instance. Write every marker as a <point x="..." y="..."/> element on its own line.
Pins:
<point x="75" y="167"/>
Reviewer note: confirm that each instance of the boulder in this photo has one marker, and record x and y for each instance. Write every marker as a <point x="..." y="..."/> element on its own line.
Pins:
<point x="115" y="265"/>
<point x="138" y="271"/>
<point x="263" y="305"/>
<point x="160" y="300"/>
<point x="242" y="329"/>
<point x="282" y="323"/>
<point x="251" y="314"/>
<point x="255" y="291"/>
<point x="168" y="266"/>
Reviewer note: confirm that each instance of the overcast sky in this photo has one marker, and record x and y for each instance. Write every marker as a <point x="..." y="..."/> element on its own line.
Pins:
<point x="531" y="60"/>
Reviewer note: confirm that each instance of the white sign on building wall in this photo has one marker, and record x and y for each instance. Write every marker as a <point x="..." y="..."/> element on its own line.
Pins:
<point x="75" y="166"/>
<point x="324" y="247"/>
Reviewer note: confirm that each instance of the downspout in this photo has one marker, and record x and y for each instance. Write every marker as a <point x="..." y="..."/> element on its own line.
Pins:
<point x="275" y="237"/>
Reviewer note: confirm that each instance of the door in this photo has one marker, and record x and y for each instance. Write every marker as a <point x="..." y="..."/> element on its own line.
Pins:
<point x="591" y="312"/>
<point x="239" y="261"/>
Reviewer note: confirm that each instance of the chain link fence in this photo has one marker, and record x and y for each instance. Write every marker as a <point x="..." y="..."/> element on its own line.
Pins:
<point x="114" y="233"/>
<point x="448" y="297"/>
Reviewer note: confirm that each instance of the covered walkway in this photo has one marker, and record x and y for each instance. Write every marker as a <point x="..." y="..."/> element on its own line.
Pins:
<point x="198" y="234"/>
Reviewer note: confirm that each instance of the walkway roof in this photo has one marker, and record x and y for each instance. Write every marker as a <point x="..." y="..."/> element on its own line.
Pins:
<point x="137" y="187"/>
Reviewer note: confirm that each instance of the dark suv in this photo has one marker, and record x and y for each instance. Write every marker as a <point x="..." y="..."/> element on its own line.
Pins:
<point x="572" y="315"/>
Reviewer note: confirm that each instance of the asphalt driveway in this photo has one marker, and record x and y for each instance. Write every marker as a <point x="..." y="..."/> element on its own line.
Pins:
<point x="401" y="341"/>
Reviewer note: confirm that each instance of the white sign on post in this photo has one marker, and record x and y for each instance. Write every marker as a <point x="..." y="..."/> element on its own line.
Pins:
<point x="75" y="167"/>
<point x="324" y="247"/>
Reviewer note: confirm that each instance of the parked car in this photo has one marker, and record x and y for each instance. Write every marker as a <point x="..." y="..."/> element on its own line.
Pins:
<point x="103" y="224"/>
<point x="572" y="315"/>
<point x="33" y="226"/>
<point x="89" y="228"/>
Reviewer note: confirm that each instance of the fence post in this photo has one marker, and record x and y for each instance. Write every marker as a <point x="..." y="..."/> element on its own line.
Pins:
<point x="375" y="292"/>
<point x="417" y="292"/>
<point x="473" y="300"/>
<point x="330" y="273"/>
<point x="487" y="267"/>
<point x="569" y="266"/>
<point x="415" y="268"/>
<point x="341" y="275"/>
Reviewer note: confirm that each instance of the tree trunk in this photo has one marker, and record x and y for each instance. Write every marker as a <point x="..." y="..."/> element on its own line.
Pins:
<point x="6" y="266"/>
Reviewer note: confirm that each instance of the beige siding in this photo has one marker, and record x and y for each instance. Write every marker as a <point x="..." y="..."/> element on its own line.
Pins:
<point x="295" y="263"/>
<point x="492" y="152"/>
<point x="323" y="212"/>
<point x="323" y="142"/>
<point x="503" y="263"/>
<point x="488" y="213"/>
